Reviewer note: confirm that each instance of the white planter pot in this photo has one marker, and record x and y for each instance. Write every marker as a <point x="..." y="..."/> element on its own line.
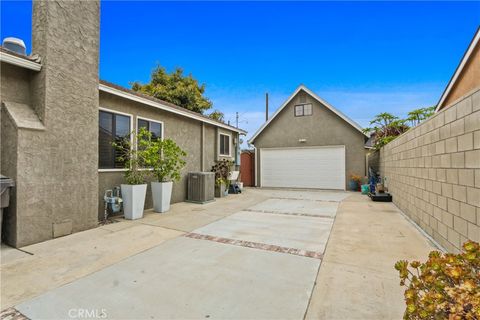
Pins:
<point x="162" y="195"/>
<point x="133" y="200"/>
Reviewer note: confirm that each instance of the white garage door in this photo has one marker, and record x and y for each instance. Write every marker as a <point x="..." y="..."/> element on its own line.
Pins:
<point x="317" y="167"/>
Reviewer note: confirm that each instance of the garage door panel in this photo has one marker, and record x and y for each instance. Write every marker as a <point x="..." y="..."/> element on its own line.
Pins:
<point x="321" y="167"/>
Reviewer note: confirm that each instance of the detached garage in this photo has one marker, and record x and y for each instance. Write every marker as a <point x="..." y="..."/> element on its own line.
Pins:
<point x="307" y="143"/>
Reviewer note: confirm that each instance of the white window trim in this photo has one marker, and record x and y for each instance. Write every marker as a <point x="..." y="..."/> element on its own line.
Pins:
<point x="131" y="137"/>
<point x="303" y="109"/>
<point x="229" y="145"/>
<point x="152" y="120"/>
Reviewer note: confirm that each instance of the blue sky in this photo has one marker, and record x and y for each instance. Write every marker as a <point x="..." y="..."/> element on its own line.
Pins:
<point x="362" y="57"/>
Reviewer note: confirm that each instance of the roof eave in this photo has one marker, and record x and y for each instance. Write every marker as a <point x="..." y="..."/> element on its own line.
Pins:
<point x="19" y="62"/>
<point x="121" y="93"/>
<point x="458" y="70"/>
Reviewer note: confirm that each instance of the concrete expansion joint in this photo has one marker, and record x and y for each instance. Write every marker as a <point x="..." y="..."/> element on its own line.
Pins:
<point x="257" y="245"/>
<point x="302" y="199"/>
<point x="290" y="213"/>
<point x="157" y="226"/>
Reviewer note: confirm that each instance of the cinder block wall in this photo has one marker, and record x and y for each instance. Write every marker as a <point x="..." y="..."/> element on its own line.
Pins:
<point x="433" y="172"/>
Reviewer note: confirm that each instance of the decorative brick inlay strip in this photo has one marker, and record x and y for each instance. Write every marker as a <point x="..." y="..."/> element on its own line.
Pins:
<point x="12" y="314"/>
<point x="290" y="213"/>
<point x="257" y="245"/>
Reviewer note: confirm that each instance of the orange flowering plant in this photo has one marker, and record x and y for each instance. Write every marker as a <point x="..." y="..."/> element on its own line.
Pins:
<point x="446" y="286"/>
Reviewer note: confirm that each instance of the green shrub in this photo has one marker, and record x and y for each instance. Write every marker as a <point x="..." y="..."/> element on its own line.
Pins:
<point x="446" y="286"/>
<point x="165" y="158"/>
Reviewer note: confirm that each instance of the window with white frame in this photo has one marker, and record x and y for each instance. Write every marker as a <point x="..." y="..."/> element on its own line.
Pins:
<point x="225" y="142"/>
<point x="155" y="127"/>
<point x="113" y="127"/>
<point x="303" y="110"/>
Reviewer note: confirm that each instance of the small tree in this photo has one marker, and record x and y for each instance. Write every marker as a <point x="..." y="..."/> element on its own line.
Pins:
<point x="134" y="159"/>
<point x="418" y="115"/>
<point x="386" y="127"/>
<point x="165" y="157"/>
<point x="217" y="115"/>
<point x="176" y="88"/>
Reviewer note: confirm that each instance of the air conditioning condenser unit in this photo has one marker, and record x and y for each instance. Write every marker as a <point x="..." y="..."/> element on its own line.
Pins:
<point x="201" y="187"/>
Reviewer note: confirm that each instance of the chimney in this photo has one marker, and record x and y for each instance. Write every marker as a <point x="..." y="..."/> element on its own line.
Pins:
<point x="63" y="156"/>
<point x="266" y="107"/>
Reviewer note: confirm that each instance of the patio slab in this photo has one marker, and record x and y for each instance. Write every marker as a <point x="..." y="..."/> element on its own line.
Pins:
<point x="299" y="207"/>
<point x="291" y="231"/>
<point x="188" y="279"/>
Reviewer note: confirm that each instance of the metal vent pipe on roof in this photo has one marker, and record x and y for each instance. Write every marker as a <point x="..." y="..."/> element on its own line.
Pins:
<point x="266" y="107"/>
<point x="14" y="44"/>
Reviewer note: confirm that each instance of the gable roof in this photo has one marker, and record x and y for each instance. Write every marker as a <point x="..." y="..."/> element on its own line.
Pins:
<point x="120" y="91"/>
<point x="458" y="71"/>
<point x="316" y="97"/>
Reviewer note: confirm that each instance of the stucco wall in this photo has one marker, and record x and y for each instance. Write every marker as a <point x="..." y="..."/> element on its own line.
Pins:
<point x="433" y="172"/>
<point x="15" y="83"/>
<point x="468" y="80"/>
<point x="185" y="132"/>
<point x="322" y="128"/>
<point x="14" y="86"/>
<point x="57" y="180"/>
<point x="210" y="146"/>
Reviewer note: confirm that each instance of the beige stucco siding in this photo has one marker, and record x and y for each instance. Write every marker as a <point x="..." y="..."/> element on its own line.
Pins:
<point x="468" y="80"/>
<point x="186" y="132"/>
<point x="55" y="127"/>
<point x="15" y="83"/>
<point x="322" y="128"/>
<point x="210" y="146"/>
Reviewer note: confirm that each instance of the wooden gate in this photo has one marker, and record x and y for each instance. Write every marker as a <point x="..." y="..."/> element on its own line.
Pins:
<point x="247" y="168"/>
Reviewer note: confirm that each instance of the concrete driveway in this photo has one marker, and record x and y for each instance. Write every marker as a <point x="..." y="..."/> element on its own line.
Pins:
<point x="250" y="256"/>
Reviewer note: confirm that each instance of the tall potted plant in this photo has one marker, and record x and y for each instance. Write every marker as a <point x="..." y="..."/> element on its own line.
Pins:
<point x="135" y="188"/>
<point x="166" y="159"/>
<point x="222" y="170"/>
